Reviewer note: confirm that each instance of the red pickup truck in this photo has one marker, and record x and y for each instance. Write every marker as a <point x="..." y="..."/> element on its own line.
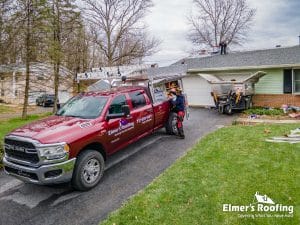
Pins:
<point x="73" y="144"/>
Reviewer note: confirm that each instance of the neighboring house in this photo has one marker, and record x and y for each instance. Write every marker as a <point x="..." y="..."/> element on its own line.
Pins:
<point x="12" y="82"/>
<point x="281" y="84"/>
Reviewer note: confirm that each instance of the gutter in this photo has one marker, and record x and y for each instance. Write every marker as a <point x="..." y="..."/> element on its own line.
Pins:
<point x="281" y="66"/>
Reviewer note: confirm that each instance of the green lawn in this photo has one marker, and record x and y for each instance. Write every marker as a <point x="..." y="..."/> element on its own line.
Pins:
<point x="228" y="166"/>
<point x="9" y="125"/>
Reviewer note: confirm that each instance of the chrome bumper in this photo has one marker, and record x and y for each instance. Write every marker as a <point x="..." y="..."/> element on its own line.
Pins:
<point x="45" y="174"/>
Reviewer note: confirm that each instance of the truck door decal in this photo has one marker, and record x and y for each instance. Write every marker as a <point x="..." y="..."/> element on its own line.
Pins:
<point x="123" y="127"/>
<point x="145" y="119"/>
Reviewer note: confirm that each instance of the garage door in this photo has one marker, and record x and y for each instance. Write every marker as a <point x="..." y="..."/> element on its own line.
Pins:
<point x="63" y="96"/>
<point x="198" y="91"/>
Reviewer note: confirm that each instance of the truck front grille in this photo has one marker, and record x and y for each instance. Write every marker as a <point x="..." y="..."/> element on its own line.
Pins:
<point x="21" y="150"/>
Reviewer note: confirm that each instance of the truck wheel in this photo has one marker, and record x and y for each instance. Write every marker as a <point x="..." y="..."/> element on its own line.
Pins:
<point x="88" y="170"/>
<point x="171" y="124"/>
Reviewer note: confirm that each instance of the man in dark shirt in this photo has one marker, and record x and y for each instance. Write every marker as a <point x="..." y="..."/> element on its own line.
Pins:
<point x="177" y="101"/>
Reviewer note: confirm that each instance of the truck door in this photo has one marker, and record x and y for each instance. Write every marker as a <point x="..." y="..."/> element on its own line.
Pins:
<point x="120" y="130"/>
<point x="142" y="113"/>
<point x="161" y="112"/>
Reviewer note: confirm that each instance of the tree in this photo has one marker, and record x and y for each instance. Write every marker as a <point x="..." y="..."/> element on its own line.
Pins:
<point x="220" y="20"/>
<point x="63" y="19"/>
<point x="6" y="32"/>
<point x="28" y="18"/>
<point x="117" y="28"/>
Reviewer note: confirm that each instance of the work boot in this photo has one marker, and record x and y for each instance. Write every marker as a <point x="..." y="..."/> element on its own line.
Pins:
<point x="181" y="133"/>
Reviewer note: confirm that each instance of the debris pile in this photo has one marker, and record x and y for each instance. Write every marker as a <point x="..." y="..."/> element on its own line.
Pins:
<point x="292" y="138"/>
<point x="293" y="111"/>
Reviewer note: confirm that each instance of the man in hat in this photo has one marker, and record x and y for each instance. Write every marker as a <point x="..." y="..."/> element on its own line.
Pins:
<point x="177" y="101"/>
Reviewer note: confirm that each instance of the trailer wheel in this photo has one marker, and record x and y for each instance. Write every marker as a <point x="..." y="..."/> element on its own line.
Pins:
<point x="171" y="124"/>
<point x="88" y="170"/>
<point x="228" y="109"/>
<point x="250" y="104"/>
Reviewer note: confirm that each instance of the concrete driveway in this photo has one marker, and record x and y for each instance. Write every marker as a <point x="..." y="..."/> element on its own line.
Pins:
<point x="127" y="172"/>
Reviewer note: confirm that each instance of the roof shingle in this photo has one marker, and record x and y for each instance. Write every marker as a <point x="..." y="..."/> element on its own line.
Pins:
<point x="268" y="57"/>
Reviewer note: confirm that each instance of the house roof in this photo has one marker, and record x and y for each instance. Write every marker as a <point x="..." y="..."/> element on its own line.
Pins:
<point x="258" y="59"/>
<point x="167" y="72"/>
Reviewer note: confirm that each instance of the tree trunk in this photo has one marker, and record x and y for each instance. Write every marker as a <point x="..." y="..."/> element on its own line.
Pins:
<point x="28" y="55"/>
<point x="57" y="55"/>
<point x="56" y="84"/>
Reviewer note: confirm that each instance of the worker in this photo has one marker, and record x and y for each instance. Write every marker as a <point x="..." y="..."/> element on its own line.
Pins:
<point x="223" y="45"/>
<point x="177" y="101"/>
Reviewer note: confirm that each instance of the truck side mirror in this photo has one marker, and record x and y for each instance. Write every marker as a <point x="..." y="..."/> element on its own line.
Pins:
<point x="126" y="110"/>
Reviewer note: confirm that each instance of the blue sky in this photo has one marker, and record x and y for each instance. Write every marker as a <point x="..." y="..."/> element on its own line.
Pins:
<point x="277" y="22"/>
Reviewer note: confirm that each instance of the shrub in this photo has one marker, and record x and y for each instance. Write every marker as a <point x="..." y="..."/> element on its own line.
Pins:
<point x="265" y="111"/>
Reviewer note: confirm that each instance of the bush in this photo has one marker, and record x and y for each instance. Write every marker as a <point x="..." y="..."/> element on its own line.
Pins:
<point x="265" y="111"/>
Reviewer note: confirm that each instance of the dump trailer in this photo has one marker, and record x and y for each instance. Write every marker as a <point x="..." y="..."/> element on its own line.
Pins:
<point x="232" y="95"/>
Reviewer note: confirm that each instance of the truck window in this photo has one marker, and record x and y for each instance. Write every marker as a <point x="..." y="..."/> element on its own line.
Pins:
<point x="87" y="107"/>
<point x="159" y="93"/>
<point x="116" y="104"/>
<point x="137" y="99"/>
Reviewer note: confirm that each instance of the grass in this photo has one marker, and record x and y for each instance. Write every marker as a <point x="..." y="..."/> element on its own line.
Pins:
<point x="228" y="166"/>
<point x="264" y="111"/>
<point x="11" y="124"/>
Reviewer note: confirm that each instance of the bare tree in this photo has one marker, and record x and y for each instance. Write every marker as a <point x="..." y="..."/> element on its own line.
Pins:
<point x="8" y="45"/>
<point x="63" y="20"/>
<point x="220" y="20"/>
<point x="28" y="18"/>
<point x="119" y="23"/>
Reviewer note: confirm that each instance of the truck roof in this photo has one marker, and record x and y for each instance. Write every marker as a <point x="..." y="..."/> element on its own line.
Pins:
<point x="116" y="90"/>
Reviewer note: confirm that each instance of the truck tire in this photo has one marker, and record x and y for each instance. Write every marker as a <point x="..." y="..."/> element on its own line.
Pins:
<point x="88" y="170"/>
<point x="171" y="124"/>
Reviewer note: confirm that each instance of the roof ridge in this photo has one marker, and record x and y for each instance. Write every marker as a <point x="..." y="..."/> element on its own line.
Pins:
<point x="240" y="52"/>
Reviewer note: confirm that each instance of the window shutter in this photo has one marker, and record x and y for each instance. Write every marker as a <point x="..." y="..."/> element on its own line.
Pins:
<point x="287" y="81"/>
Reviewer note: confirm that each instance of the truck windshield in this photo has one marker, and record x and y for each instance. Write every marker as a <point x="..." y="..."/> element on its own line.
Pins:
<point x="86" y="107"/>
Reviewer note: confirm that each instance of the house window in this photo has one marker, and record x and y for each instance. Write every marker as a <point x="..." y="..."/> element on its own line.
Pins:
<point x="2" y="92"/>
<point x="1" y="77"/>
<point x="297" y="81"/>
<point x="287" y="81"/>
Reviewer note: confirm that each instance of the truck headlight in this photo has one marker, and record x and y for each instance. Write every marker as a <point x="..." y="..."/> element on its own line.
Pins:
<point x="53" y="151"/>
